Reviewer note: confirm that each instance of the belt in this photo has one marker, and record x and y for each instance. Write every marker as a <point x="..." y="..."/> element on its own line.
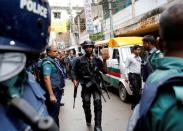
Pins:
<point x="134" y="73"/>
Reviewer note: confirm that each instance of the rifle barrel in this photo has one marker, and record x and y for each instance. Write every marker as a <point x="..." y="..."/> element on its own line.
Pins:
<point x="75" y="94"/>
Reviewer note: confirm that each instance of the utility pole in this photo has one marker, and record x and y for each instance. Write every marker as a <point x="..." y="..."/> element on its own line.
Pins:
<point x="71" y="23"/>
<point x="78" y="21"/>
<point x="111" y="19"/>
<point x="74" y="38"/>
<point x="133" y="8"/>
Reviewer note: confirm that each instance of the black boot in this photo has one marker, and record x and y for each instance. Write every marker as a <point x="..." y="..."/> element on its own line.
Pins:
<point x="88" y="117"/>
<point x="98" y="116"/>
<point x="97" y="129"/>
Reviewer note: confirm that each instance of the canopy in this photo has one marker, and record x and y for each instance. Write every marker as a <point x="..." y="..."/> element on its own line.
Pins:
<point x="124" y="41"/>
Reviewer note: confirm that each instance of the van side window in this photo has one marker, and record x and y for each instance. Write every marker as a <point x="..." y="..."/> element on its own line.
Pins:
<point x="116" y="55"/>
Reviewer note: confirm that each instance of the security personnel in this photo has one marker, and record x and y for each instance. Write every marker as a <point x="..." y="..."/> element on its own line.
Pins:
<point x="148" y="66"/>
<point x="161" y="106"/>
<point x="86" y="70"/>
<point x="53" y="79"/>
<point x="23" y="33"/>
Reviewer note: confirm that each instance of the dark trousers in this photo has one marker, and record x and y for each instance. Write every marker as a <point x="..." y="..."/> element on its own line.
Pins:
<point x="86" y="97"/>
<point x="135" y="85"/>
<point x="53" y="109"/>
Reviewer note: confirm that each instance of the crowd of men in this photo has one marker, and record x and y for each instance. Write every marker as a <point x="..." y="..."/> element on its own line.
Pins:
<point x="32" y="85"/>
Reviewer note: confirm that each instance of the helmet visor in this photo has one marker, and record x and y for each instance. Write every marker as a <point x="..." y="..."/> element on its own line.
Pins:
<point x="11" y="64"/>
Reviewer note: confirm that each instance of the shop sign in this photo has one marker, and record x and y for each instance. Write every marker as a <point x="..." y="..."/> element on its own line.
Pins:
<point x="88" y="16"/>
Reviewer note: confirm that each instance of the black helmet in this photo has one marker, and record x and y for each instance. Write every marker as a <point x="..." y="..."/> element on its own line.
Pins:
<point x="88" y="43"/>
<point x="24" y="25"/>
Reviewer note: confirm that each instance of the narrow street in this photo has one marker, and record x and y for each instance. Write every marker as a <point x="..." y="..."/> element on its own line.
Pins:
<point x="115" y="113"/>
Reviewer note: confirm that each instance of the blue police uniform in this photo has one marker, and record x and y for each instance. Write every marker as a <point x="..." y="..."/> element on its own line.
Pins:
<point x="34" y="95"/>
<point x="52" y="68"/>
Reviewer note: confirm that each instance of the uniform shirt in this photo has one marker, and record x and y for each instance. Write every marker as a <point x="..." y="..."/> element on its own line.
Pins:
<point x="52" y="68"/>
<point x="150" y="61"/>
<point x="162" y="115"/>
<point x="133" y="65"/>
<point x="49" y="68"/>
<point x="153" y="55"/>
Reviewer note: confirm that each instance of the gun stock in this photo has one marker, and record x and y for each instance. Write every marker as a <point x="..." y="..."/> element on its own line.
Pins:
<point x="31" y="117"/>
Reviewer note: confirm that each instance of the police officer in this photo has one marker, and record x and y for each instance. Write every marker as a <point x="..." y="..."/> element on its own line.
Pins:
<point x="86" y="70"/>
<point x="23" y="33"/>
<point x="54" y="82"/>
<point x="149" y="44"/>
<point x="161" y="106"/>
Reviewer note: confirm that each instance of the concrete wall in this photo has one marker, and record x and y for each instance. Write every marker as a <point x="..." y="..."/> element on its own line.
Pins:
<point x="122" y="17"/>
<point x="143" y="6"/>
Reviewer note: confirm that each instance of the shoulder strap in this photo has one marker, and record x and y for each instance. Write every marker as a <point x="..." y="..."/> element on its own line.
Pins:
<point x="151" y="90"/>
<point x="174" y="81"/>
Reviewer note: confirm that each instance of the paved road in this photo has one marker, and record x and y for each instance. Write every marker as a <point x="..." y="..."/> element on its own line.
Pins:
<point x="115" y="113"/>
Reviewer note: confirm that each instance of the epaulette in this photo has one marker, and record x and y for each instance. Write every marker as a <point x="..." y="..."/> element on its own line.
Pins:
<point x="178" y="90"/>
<point x="158" y="51"/>
<point x="46" y="62"/>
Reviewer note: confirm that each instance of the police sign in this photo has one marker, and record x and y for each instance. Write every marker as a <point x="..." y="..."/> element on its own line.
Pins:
<point x="33" y="7"/>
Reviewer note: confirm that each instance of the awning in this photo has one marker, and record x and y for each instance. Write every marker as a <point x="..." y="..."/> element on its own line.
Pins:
<point x="100" y="43"/>
<point x="143" y="26"/>
<point x="138" y="31"/>
<point x="124" y="41"/>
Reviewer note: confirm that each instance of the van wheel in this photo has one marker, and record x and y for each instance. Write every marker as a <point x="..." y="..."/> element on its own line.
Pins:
<point x="123" y="93"/>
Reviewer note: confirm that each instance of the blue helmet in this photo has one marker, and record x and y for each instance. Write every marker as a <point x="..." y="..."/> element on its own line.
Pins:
<point x="24" y="25"/>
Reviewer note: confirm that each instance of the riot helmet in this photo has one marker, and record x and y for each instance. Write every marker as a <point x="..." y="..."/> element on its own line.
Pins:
<point x="24" y="30"/>
<point x="24" y="25"/>
<point x="88" y="43"/>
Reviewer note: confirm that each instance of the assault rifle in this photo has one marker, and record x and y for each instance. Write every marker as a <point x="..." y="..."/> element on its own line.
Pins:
<point x="75" y="93"/>
<point x="104" y="87"/>
<point x="93" y="81"/>
<point x="20" y="108"/>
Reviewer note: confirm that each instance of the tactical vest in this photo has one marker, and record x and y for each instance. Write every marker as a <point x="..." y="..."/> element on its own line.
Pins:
<point x="150" y="92"/>
<point x="34" y="95"/>
<point x="57" y="78"/>
<point x="86" y="68"/>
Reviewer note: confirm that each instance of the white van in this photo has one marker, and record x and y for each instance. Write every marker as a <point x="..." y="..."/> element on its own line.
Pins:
<point x="119" y="49"/>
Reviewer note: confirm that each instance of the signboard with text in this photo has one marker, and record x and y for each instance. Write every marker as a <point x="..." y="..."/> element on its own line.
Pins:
<point x="88" y="16"/>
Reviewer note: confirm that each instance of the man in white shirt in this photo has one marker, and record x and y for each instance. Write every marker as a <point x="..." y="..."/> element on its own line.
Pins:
<point x="133" y="71"/>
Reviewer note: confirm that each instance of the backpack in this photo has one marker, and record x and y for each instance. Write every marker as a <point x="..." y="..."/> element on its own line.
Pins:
<point x="139" y="120"/>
